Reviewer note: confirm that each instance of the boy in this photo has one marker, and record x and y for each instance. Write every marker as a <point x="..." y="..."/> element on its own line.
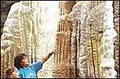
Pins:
<point x="26" y="70"/>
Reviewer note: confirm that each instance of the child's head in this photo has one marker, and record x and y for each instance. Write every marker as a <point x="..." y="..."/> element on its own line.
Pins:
<point x="12" y="72"/>
<point x="21" y="60"/>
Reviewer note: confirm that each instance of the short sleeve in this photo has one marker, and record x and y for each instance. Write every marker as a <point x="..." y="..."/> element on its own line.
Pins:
<point x="20" y="75"/>
<point x="37" y="66"/>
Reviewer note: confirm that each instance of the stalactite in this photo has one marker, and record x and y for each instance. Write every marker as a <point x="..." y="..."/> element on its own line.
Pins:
<point x="93" y="61"/>
<point x="107" y="61"/>
<point x="73" y="49"/>
<point x="97" y="52"/>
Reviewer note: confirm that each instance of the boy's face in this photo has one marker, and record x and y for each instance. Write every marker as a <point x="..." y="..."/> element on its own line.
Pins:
<point x="15" y="74"/>
<point x="24" y="61"/>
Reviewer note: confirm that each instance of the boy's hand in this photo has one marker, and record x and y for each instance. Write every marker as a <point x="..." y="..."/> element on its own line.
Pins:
<point x="54" y="51"/>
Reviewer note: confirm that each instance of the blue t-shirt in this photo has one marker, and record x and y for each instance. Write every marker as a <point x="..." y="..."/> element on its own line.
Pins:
<point x="30" y="71"/>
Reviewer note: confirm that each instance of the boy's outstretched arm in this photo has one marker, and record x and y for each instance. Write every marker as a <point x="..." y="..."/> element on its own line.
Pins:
<point x="44" y="59"/>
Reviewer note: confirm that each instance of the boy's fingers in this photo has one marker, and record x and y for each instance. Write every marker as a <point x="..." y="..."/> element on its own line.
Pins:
<point x="55" y="51"/>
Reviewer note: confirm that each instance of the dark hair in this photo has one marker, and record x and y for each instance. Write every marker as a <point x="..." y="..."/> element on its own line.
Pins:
<point x="9" y="72"/>
<point x="18" y="60"/>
